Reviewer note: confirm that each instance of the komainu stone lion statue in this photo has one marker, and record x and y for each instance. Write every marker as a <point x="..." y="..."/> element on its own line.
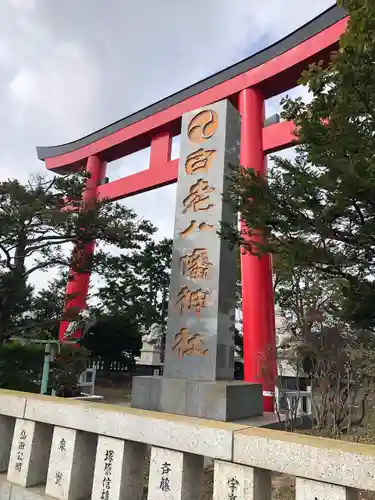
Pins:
<point x="84" y="321"/>
<point x="154" y="336"/>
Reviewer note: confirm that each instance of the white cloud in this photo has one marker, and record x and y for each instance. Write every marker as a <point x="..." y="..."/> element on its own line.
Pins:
<point x="22" y="4"/>
<point x="23" y="87"/>
<point x="5" y="54"/>
<point x="41" y="90"/>
<point x="64" y="73"/>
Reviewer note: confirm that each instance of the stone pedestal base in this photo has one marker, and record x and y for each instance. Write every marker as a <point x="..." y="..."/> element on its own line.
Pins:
<point x="150" y="355"/>
<point x="144" y="370"/>
<point x="149" y="362"/>
<point x="225" y="400"/>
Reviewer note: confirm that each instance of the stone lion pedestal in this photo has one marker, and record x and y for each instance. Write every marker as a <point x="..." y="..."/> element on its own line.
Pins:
<point x="149" y="361"/>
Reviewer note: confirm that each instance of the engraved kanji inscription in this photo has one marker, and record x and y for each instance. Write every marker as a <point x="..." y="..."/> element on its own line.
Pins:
<point x="199" y="161"/>
<point x="165" y="484"/>
<point x="194" y="226"/>
<point x="192" y="299"/>
<point x="109" y="454"/>
<point x="188" y="344"/>
<point x="58" y="478"/>
<point x="203" y="126"/>
<point x="107" y="480"/>
<point x="19" y="454"/>
<point x="196" y="264"/>
<point x="62" y="445"/>
<point x="198" y="198"/>
<point x="233" y="485"/>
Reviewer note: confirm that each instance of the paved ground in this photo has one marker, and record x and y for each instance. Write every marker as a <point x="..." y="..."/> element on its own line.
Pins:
<point x="114" y="395"/>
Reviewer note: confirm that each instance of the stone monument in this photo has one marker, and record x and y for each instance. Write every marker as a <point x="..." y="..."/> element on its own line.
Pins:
<point x="198" y="378"/>
<point x="149" y="361"/>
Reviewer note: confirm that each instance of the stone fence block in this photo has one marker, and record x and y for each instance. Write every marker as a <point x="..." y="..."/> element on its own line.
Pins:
<point x="320" y="459"/>
<point x="187" y="434"/>
<point x="240" y="482"/>
<point x="71" y="465"/>
<point x="6" y="438"/>
<point x="306" y="489"/>
<point x="30" y="453"/>
<point x="119" y="469"/>
<point x="12" y="403"/>
<point x="349" y="465"/>
<point x="174" y="475"/>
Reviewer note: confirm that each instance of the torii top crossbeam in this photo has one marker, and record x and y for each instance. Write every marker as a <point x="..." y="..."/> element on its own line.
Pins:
<point x="247" y="84"/>
<point x="272" y="71"/>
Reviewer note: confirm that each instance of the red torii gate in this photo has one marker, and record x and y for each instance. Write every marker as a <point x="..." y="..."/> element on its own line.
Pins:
<point x="247" y="84"/>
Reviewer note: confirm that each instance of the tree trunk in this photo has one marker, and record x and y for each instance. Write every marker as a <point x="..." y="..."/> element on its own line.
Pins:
<point x="15" y="282"/>
<point x="5" y="314"/>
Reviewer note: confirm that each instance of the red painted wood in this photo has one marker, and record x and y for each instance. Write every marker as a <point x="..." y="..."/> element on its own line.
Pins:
<point x="160" y="154"/>
<point x="273" y="77"/>
<point x="140" y="182"/>
<point x="78" y="284"/>
<point x="256" y="274"/>
<point x="279" y="136"/>
<point x="163" y="172"/>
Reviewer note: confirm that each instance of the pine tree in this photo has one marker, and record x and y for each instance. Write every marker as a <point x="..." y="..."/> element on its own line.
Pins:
<point x="114" y="338"/>
<point x="318" y="210"/>
<point x="46" y="309"/>
<point x="137" y="283"/>
<point x="36" y="223"/>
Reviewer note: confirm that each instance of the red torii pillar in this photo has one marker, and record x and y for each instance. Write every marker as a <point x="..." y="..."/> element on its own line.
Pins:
<point x="78" y="283"/>
<point x="256" y="273"/>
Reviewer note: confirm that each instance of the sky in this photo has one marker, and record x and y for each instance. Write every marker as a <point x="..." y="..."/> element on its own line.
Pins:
<point x="69" y="67"/>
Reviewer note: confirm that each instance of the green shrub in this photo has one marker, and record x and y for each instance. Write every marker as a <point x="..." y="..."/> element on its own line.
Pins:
<point x="65" y="370"/>
<point x="21" y="367"/>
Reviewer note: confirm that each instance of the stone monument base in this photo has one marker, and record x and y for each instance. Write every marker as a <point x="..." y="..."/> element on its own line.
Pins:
<point x="223" y="400"/>
<point x="144" y="370"/>
<point x="150" y="355"/>
<point x="149" y="362"/>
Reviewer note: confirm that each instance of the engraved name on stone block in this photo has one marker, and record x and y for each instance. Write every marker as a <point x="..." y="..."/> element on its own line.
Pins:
<point x="71" y="464"/>
<point x="61" y="462"/>
<point x="307" y="489"/>
<point x="30" y="453"/>
<point x="21" y="451"/>
<point x="106" y="485"/>
<point x="240" y="482"/>
<point x="119" y="470"/>
<point x="200" y="330"/>
<point x="174" y="474"/>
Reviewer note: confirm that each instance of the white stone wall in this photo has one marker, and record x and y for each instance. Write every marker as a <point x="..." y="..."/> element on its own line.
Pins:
<point x="72" y="450"/>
